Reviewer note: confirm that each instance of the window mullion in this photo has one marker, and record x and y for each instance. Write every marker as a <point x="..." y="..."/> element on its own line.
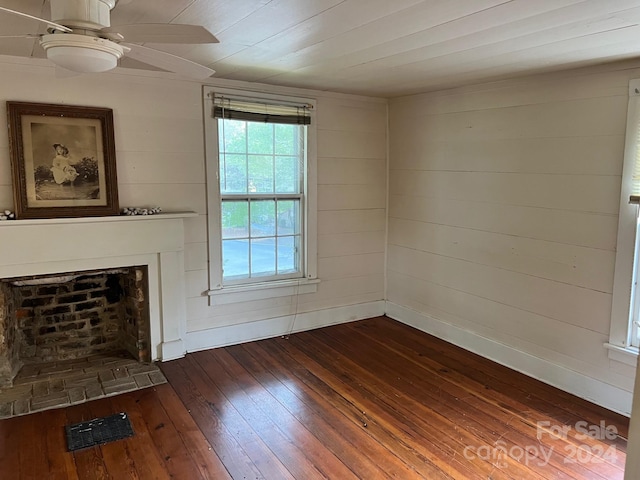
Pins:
<point x="224" y="157"/>
<point x="261" y="196"/>
<point x="246" y="152"/>
<point x="250" y="236"/>
<point x="273" y="158"/>
<point x="276" y="237"/>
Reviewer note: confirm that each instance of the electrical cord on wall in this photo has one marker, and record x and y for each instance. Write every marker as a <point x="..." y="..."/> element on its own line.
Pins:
<point x="289" y="331"/>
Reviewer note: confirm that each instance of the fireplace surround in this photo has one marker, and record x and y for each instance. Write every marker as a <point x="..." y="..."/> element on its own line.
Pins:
<point x="56" y="247"/>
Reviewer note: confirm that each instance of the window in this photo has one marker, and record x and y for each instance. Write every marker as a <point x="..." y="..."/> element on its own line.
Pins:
<point x="261" y="185"/>
<point x="625" y="315"/>
<point x="262" y="191"/>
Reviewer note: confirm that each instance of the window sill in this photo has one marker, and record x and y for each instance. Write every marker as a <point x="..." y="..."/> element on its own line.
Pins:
<point x="626" y="355"/>
<point x="261" y="291"/>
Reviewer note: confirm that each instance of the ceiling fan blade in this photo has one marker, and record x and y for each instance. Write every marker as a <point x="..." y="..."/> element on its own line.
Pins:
<point x="57" y="26"/>
<point x="168" y="61"/>
<point x="163" y="33"/>
<point x="24" y="35"/>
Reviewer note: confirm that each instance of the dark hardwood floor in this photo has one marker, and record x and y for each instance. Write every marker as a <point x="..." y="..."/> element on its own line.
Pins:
<point x="371" y="399"/>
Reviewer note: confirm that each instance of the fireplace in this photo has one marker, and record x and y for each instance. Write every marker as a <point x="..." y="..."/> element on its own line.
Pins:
<point x="154" y="244"/>
<point x="85" y="305"/>
<point x="49" y="319"/>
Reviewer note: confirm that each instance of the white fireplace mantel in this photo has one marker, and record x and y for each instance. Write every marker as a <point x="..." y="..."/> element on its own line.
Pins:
<point x="53" y="246"/>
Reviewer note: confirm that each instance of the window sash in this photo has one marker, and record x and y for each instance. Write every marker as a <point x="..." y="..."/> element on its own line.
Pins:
<point x="297" y="235"/>
<point x="245" y="156"/>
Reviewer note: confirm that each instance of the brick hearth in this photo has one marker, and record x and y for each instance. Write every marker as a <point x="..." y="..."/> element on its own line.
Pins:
<point x="64" y="383"/>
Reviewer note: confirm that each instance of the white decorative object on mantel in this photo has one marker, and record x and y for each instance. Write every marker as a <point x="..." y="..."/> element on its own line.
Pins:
<point x="141" y="211"/>
<point x="7" y="215"/>
<point x="60" y="245"/>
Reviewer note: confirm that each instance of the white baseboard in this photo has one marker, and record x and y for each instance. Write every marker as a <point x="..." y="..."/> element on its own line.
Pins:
<point x="585" y="387"/>
<point x="274" y="327"/>
<point x="172" y="350"/>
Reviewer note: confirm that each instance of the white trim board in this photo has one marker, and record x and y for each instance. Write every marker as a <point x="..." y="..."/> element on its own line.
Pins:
<point x="275" y="327"/>
<point x="590" y="389"/>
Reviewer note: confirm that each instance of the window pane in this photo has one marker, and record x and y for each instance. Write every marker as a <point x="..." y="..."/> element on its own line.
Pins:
<point x="263" y="257"/>
<point x="286" y="139"/>
<point x="261" y="173"/>
<point x="235" y="219"/>
<point x="288" y="248"/>
<point x="263" y="218"/>
<point x="232" y="135"/>
<point x="287" y="180"/>
<point x="288" y="217"/>
<point x="260" y="137"/>
<point x="235" y="259"/>
<point x="233" y="174"/>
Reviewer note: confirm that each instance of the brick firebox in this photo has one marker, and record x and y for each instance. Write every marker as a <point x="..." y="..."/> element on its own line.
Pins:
<point x="46" y="319"/>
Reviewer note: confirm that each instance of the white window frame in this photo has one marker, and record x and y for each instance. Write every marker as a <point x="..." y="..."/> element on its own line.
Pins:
<point x="220" y="293"/>
<point x="626" y="295"/>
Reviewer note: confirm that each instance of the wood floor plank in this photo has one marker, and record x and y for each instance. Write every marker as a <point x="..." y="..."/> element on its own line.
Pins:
<point x="195" y="442"/>
<point x="385" y="406"/>
<point x="9" y="454"/>
<point x="149" y="462"/>
<point x="166" y="438"/>
<point x="32" y="463"/>
<point x="117" y="457"/>
<point x="512" y="410"/>
<point x="371" y="399"/>
<point x="294" y="446"/>
<point x="433" y="456"/>
<point x="553" y="401"/>
<point x="526" y="398"/>
<point x="319" y="388"/>
<point x="60" y="461"/>
<point x="244" y="454"/>
<point x="361" y="452"/>
<point x="32" y="444"/>
<point x="317" y="426"/>
<point x="89" y="462"/>
<point x="468" y="407"/>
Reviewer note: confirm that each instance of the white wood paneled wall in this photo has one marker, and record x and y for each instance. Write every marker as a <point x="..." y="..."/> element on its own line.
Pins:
<point x="351" y="173"/>
<point x="503" y="215"/>
<point x="160" y="159"/>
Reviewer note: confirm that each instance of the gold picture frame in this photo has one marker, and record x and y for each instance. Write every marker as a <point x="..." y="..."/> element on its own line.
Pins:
<point x="62" y="160"/>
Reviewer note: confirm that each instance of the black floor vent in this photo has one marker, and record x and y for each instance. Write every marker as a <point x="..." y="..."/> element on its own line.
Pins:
<point x="98" y="431"/>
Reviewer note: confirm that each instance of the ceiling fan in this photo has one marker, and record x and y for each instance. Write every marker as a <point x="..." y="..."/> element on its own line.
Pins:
<point x="80" y="38"/>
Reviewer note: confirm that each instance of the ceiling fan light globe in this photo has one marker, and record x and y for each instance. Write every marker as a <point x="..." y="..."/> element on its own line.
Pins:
<point x="83" y="60"/>
<point x="80" y="53"/>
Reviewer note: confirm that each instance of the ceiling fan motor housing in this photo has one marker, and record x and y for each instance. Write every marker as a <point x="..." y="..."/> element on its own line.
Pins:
<point x="85" y="14"/>
<point x="80" y="53"/>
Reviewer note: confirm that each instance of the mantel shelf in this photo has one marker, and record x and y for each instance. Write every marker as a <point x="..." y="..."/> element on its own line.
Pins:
<point x="119" y="218"/>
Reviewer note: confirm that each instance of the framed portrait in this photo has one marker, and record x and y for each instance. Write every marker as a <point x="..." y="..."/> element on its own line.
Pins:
<point x="62" y="160"/>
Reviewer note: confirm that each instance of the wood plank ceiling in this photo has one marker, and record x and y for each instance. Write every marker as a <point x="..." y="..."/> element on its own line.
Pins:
<point x="376" y="47"/>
